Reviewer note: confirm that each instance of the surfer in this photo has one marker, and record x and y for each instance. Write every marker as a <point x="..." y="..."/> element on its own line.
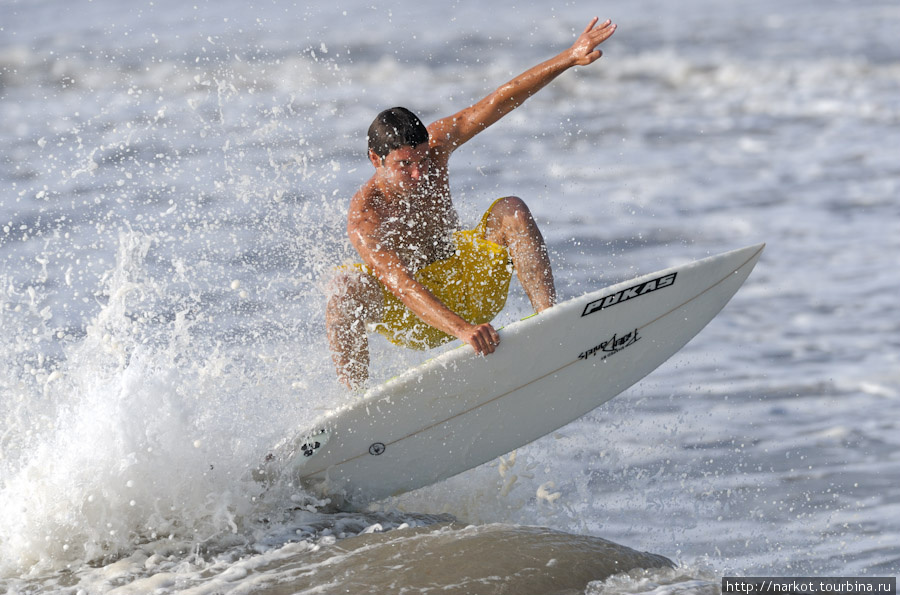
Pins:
<point x="422" y="280"/>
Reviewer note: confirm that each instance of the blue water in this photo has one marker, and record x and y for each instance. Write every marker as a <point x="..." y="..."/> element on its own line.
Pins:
<point x="174" y="180"/>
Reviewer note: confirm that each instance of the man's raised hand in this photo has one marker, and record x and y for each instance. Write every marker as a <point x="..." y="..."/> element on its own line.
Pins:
<point x="584" y="50"/>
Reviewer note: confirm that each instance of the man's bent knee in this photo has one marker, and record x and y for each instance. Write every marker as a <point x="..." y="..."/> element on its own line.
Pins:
<point x="510" y="206"/>
<point x="509" y="216"/>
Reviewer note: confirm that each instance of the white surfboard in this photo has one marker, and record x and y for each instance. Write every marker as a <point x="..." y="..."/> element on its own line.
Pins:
<point x="460" y="410"/>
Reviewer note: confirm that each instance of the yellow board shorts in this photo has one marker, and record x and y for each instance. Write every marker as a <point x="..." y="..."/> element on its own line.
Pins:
<point x="474" y="283"/>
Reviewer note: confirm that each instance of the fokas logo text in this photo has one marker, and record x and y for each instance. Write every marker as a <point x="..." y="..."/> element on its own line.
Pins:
<point x="630" y="293"/>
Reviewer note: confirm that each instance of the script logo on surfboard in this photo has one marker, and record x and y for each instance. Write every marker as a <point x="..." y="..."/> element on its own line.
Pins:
<point x="630" y="293"/>
<point x="612" y="346"/>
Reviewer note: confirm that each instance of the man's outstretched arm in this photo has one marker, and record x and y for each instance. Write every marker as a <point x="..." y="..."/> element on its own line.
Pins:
<point x="451" y="132"/>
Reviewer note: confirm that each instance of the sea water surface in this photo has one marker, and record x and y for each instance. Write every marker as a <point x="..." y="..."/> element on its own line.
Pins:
<point x="174" y="178"/>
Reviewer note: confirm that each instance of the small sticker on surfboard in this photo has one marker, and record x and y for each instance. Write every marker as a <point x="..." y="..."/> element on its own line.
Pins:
<point x="309" y="444"/>
<point x="295" y="452"/>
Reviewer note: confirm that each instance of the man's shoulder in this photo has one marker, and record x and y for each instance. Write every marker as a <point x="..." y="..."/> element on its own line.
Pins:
<point x="366" y="194"/>
<point x="363" y="204"/>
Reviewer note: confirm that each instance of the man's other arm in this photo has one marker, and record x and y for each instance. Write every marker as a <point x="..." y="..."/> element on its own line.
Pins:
<point x="363" y="229"/>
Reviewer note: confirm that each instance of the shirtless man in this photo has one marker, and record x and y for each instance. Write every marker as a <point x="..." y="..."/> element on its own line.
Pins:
<point x="406" y="230"/>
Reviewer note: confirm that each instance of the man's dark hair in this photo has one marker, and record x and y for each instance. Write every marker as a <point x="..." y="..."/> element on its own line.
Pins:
<point x="394" y="128"/>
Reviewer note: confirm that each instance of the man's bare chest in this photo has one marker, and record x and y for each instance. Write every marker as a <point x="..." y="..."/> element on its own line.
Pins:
<point x="420" y="236"/>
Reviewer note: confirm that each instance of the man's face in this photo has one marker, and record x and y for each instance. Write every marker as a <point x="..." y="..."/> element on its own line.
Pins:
<point x="406" y="168"/>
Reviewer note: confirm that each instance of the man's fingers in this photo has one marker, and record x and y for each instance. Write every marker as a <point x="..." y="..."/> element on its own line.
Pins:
<point x="601" y="29"/>
<point x="484" y="339"/>
<point x="603" y="32"/>
<point x="487" y="343"/>
<point x="608" y="29"/>
<point x="492" y="337"/>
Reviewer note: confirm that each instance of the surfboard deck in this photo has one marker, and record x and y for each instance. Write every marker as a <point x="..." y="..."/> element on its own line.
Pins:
<point x="460" y="410"/>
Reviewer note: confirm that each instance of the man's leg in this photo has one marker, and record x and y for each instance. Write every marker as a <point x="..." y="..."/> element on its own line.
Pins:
<point x="510" y="224"/>
<point x="355" y="299"/>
